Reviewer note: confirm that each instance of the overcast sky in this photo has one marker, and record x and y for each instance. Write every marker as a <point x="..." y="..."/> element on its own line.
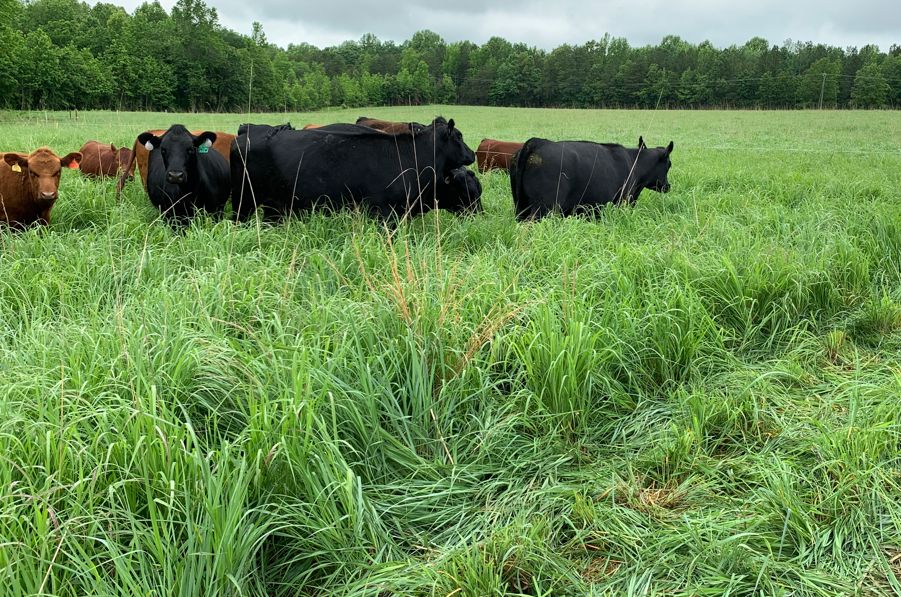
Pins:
<point x="547" y="24"/>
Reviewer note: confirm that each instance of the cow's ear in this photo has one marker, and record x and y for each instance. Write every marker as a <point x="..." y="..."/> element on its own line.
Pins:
<point x="149" y="141"/>
<point x="641" y="144"/>
<point x="71" y="160"/>
<point x="669" y="148"/>
<point x="205" y="139"/>
<point x="451" y="124"/>
<point x="16" y="160"/>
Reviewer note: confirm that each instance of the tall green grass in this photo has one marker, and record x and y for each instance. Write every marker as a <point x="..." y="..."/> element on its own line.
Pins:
<point x="697" y="395"/>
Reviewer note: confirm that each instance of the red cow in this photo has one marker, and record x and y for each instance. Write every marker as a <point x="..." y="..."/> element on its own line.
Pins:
<point x="313" y="126"/>
<point x="29" y="185"/>
<point x="497" y="155"/>
<point x="100" y="159"/>
<point x="390" y="127"/>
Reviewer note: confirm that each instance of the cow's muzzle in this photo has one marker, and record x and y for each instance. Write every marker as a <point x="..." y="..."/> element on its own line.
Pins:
<point x="175" y="176"/>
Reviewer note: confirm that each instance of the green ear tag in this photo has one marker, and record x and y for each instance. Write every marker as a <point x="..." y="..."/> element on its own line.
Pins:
<point x="203" y="149"/>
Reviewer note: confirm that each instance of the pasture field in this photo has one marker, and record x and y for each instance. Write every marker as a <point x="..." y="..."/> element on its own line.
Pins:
<point x="699" y="395"/>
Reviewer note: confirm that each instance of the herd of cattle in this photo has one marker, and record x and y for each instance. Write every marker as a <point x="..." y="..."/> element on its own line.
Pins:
<point x="387" y="169"/>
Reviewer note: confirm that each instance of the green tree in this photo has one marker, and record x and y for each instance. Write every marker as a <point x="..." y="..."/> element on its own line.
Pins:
<point x="659" y="88"/>
<point x="516" y="81"/>
<point x="65" y="52"/>
<point x="40" y="72"/>
<point x="627" y="83"/>
<point x="348" y="91"/>
<point x="88" y="82"/>
<point x="13" y="45"/>
<point x="446" y="91"/>
<point x="314" y="90"/>
<point x="431" y="49"/>
<point x="820" y="80"/>
<point x="483" y="64"/>
<point x="64" y="21"/>
<point x="870" y="88"/>
<point x="692" y="89"/>
<point x="456" y="60"/>
<point x="123" y="61"/>
<point x="414" y="85"/>
<point x="777" y="91"/>
<point x="198" y="53"/>
<point x="891" y="71"/>
<point x="9" y="10"/>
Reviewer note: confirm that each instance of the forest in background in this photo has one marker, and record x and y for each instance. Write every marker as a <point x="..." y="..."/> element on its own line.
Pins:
<point x="65" y="54"/>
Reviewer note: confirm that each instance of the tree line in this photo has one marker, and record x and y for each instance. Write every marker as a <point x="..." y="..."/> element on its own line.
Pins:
<point x="65" y="54"/>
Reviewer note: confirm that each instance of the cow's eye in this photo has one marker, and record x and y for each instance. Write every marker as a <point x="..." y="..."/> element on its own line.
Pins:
<point x="191" y="151"/>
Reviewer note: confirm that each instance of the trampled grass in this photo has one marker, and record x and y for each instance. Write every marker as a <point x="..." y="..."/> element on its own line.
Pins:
<point x="695" y="396"/>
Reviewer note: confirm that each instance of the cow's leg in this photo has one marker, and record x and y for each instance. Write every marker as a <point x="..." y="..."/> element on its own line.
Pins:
<point x="215" y="208"/>
<point x="525" y="214"/>
<point x="274" y="213"/>
<point x="179" y="214"/>
<point x="243" y="204"/>
<point x="533" y="212"/>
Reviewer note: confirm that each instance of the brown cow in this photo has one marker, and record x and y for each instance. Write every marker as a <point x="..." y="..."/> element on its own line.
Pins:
<point x="313" y="126"/>
<point x="387" y="126"/>
<point x="100" y="159"/>
<point x="222" y="144"/>
<point x="496" y="155"/>
<point x="29" y="185"/>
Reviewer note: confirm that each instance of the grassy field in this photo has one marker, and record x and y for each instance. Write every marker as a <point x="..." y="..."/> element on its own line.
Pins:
<point x="700" y="395"/>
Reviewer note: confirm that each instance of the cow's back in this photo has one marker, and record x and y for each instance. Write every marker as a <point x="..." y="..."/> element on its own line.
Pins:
<point x="390" y="127"/>
<point x="99" y="159"/>
<point x="91" y="159"/>
<point x="350" y="164"/>
<point x="566" y="176"/>
<point x="496" y="155"/>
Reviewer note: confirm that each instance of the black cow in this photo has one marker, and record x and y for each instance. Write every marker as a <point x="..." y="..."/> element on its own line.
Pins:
<point x="347" y="165"/>
<point x="252" y="168"/>
<point x="243" y="129"/>
<point x="576" y="176"/>
<point x="460" y="192"/>
<point x="184" y="175"/>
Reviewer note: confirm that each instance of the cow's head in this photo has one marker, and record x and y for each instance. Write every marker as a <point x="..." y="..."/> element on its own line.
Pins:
<point x="123" y="154"/>
<point x="41" y="170"/>
<point x="461" y="192"/>
<point x="449" y="142"/>
<point x="178" y="149"/>
<point x="655" y="165"/>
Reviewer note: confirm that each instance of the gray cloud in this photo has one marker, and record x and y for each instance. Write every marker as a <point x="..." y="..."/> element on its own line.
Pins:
<point x="546" y="25"/>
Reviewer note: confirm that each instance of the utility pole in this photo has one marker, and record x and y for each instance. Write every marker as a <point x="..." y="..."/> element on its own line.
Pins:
<point x="822" y="89"/>
<point x="250" y="88"/>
